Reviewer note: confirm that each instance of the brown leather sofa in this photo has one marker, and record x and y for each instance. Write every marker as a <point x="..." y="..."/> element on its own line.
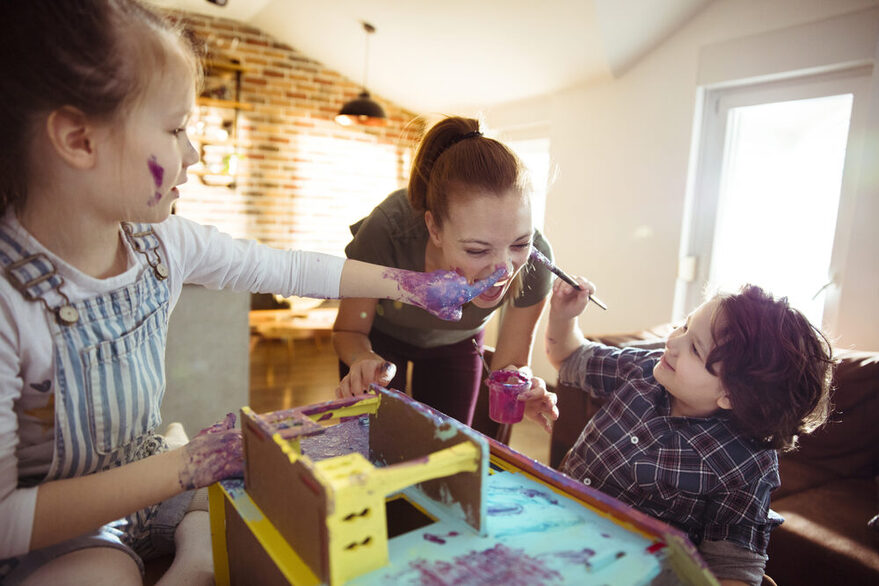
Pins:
<point x="829" y="487"/>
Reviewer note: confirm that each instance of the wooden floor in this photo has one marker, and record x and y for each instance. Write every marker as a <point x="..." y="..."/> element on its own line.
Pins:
<point x="303" y="372"/>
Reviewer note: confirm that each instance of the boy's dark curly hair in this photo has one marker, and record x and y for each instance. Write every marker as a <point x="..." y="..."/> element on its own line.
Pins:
<point x="775" y="365"/>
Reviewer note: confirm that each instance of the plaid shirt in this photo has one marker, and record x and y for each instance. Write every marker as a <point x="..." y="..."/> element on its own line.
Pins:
<point x="697" y="474"/>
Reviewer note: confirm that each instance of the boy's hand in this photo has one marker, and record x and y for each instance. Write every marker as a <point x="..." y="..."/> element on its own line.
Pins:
<point x="217" y="452"/>
<point x="442" y="293"/>
<point x="567" y="302"/>
<point x="540" y="404"/>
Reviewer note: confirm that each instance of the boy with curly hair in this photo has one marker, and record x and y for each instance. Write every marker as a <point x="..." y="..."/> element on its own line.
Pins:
<point x="690" y="434"/>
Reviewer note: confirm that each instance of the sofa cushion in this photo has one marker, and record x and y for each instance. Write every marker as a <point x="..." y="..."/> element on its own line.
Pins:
<point x="799" y="475"/>
<point x="655" y="335"/>
<point x="824" y="538"/>
<point x="849" y="444"/>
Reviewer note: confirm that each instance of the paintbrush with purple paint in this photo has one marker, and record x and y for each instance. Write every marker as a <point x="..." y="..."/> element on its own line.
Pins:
<point x="539" y="257"/>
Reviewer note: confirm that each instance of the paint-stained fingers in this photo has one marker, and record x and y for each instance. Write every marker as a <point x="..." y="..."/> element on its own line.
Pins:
<point x="385" y="372"/>
<point x="211" y="457"/>
<point x="344" y="388"/>
<point x="361" y="374"/>
<point x="540" y="404"/>
<point x="228" y="422"/>
<point x="340" y="393"/>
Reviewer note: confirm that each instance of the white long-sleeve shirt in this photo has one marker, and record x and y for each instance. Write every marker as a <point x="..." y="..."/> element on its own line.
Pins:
<point x="193" y="254"/>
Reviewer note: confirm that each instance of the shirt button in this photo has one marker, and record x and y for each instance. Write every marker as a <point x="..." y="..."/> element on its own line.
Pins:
<point x="634" y="439"/>
<point x="587" y="481"/>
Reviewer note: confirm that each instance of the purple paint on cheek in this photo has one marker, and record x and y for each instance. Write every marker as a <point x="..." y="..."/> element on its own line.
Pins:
<point x="158" y="174"/>
<point x="157" y="171"/>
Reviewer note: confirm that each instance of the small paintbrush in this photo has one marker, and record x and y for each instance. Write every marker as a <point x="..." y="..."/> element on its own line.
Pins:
<point x="481" y="357"/>
<point x="539" y="257"/>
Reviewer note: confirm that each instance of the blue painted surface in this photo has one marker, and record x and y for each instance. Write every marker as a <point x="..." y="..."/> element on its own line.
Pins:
<point x="535" y="536"/>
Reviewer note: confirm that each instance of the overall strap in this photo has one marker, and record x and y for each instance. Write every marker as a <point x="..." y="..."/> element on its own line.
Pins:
<point x="34" y="276"/>
<point x="144" y="241"/>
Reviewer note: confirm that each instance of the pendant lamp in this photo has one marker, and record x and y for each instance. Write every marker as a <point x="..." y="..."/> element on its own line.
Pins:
<point x="363" y="109"/>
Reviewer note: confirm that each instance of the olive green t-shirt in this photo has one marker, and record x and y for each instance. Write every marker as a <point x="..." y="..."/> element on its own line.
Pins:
<point x="394" y="235"/>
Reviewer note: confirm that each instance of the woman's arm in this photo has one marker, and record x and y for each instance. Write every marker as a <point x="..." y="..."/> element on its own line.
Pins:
<point x="516" y="336"/>
<point x="515" y="341"/>
<point x="352" y="345"/>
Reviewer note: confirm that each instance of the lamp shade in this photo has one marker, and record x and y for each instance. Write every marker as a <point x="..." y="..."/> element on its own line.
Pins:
<point x="362" y="110"/>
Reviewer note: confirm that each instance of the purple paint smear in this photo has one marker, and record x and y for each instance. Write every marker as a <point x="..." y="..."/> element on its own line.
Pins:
<point x="581" y="556"/>
<point x="439" y="539"/>
<point x="441" y="293"/>
<point x="347" y="436"/>
<point x="497" y="565"/>
<point x="158" y="174"/>
<point x="214" y="454"/>
<point x="157" y="170"/>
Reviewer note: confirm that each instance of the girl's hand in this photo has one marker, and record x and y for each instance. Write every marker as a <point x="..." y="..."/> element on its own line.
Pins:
<point x="566" y="302"/>
<point x="217" y="452"/>
<point x="442" y="293"/>
<point x="540" y="404"/>
<point x="364" y="372"/>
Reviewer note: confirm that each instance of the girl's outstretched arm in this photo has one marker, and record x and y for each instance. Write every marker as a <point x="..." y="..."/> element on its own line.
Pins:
<point x="442" y="293"/>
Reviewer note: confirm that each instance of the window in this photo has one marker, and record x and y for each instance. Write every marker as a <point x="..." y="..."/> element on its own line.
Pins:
<point x="770" y="191"/>
<point x="534" y="154"/>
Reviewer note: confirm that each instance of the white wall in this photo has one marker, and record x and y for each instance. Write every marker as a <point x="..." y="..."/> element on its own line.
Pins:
<point x="207" y="363"/>
<point x="623" y="149"/>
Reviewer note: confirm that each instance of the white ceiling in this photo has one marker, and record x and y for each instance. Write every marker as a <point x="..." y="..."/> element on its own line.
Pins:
<point x="453" y="55"/>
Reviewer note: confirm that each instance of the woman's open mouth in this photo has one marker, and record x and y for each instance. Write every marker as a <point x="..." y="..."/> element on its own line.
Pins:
<point x="494" y="292"/>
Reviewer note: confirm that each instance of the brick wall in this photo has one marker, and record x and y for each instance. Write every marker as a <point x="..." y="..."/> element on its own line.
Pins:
<point x="302" y="178"/>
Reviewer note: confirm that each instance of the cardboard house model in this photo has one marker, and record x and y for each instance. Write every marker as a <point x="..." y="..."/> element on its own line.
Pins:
<point x="382" y="489"/>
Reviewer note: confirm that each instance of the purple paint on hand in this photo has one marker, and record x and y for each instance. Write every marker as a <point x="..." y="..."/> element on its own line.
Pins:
<point x="441" y="293"/>
<point x="217" y="452"/>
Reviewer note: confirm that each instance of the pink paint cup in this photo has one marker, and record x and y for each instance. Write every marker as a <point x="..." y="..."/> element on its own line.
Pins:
<point x="504" y="388"/>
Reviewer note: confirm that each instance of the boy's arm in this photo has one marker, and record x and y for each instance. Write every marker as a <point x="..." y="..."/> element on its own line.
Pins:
<point x="733" y="564"/>
<point x="563" y="335"/>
